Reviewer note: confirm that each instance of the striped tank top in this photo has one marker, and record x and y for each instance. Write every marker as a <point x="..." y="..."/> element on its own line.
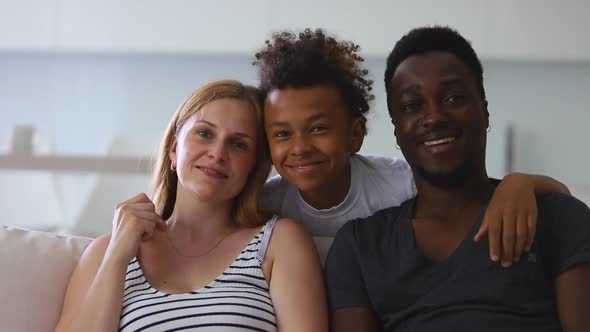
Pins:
<point x="237" y="300"/>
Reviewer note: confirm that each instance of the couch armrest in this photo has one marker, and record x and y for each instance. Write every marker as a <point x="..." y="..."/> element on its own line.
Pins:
<point x="36" y="269"/>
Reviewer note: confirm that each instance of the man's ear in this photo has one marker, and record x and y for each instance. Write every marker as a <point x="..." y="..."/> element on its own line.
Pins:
<point x="359" y="130"/>
<point x="486" y="113"/>
<point x="395" y="135"/>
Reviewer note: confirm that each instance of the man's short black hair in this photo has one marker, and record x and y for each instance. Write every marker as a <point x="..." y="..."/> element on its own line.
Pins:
<point x="433" y="38"/>
<point x="311" y="57"/>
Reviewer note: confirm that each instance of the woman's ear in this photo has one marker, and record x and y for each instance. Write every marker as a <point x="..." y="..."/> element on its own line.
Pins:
<point x="172" y="152"/>
<point x="359" y="130"/>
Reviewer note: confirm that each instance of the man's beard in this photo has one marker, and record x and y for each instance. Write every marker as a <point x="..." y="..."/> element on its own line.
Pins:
<point x="447" y="180"/>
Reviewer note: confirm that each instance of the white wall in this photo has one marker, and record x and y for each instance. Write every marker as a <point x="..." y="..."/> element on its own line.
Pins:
<point x="82" y="101"/>
<point x="86" y="99"/>
<point x="504" y="29"/>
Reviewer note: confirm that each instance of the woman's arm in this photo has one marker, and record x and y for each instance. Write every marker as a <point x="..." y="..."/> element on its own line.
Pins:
<point x="296" y="280"/>
<point x="94" y="295"/>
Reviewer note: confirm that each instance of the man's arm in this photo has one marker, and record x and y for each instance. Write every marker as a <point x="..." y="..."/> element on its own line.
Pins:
<point x="572" y="289"/>
<point x="565" y="244"/>
<point x="355" y="320"/>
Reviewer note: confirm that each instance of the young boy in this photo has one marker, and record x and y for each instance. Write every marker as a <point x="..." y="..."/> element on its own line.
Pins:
<point x="316" y="97"/>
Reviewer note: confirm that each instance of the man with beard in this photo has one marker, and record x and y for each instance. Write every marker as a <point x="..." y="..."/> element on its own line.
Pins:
<point x="416" y="267"/>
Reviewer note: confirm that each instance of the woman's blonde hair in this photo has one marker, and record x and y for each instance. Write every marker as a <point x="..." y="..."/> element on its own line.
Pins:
<point x="246" y="208"/>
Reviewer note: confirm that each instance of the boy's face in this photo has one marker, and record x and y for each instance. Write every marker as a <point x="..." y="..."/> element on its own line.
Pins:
<point x="312" y="135"/>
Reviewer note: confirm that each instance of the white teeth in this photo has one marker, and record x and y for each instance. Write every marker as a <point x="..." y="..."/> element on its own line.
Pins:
<point x="439" y="141"/>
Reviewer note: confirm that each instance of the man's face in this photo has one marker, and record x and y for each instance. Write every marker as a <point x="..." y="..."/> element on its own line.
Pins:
<point x="440" y="117"/>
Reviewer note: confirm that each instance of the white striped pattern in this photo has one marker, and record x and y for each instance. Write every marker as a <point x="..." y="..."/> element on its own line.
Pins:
<point x="237" y="300"/>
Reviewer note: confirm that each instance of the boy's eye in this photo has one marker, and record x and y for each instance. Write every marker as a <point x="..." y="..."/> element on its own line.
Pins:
<point x="281" y="133"/>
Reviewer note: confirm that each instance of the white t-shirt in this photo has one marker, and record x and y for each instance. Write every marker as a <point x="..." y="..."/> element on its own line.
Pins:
<point x="376" y="183"/>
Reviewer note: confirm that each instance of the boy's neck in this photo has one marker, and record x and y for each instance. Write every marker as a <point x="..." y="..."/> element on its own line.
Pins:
<point x="329" y="194"/>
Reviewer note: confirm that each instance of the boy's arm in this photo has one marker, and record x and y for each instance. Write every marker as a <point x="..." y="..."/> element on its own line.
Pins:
<point x="511" y="218"/>
<point x="545" y="184"/>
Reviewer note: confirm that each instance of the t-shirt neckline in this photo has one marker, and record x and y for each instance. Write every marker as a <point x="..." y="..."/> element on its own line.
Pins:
<point x="343" y="207"/>
<point x="407" y="213"/>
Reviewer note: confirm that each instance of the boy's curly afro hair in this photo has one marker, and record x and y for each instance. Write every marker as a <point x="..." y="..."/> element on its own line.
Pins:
<point x="311" y="57"/>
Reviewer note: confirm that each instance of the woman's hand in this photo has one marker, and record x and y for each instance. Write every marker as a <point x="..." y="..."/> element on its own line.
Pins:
<point x="511" y="219"/>
<point x="135" y="220"/>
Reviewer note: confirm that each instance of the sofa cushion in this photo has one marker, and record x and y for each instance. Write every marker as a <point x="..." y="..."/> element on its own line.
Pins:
<point x="36" y="269"/>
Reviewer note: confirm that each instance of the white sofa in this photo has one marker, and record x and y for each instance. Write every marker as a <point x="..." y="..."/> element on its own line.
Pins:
<point x="36" y="268"/>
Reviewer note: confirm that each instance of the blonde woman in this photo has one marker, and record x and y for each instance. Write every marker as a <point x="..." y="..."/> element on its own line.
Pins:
<point x="200" y="255"/>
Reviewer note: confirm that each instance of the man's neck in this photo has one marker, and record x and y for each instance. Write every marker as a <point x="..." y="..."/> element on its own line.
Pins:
<point x="449" y="203"/>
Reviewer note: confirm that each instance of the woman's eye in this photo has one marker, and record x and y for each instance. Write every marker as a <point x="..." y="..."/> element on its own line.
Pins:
<point x="204" y="133"/>
<point x="239" y="145"/>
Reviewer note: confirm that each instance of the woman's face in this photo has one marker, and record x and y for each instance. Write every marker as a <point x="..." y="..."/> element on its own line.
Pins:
<point x="215" y="150"/>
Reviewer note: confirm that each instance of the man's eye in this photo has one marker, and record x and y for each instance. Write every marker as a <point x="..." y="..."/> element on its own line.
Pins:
<point x="453" y="98"/>
<point x="319" y="129"/>
<point x="410" y="107"/>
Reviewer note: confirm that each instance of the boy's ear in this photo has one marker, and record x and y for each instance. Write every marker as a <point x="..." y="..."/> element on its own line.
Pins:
<point x="359" y="130"/>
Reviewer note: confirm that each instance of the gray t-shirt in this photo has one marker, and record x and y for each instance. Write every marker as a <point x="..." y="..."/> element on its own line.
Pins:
<point x="376" y="183"/>
<point x="374" y="263"/>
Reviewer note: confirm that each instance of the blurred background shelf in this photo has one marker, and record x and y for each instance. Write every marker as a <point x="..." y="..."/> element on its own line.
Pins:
<point x="84" y="164"/>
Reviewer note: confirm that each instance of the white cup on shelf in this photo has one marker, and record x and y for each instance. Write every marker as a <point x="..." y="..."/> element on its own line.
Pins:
<point x="23" y="140"/>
